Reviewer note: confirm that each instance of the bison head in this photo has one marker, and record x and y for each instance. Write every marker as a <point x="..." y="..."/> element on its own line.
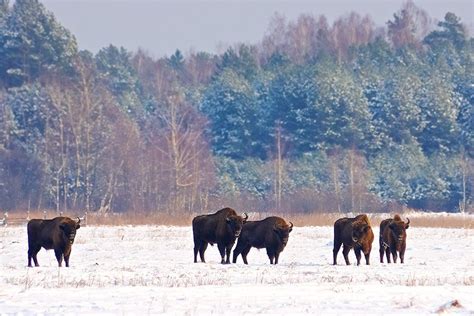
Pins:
<point x="283" y="232"/>
<point x="69" y="227"/>
<point x="398" y="231"/>
<point x="235" y="222"/>
<point x="359" y="231"/>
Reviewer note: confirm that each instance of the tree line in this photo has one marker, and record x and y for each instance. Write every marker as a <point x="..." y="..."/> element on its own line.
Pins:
<point x="347" y="116"/>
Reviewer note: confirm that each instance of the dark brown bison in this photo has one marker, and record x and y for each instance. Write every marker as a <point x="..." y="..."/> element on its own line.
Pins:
<point x="222" y="227"/>
<point x="353" y="233"/>
<point x="271" y="233"/>
<point x="57" y="233"/>
<point x="393" y="238"/>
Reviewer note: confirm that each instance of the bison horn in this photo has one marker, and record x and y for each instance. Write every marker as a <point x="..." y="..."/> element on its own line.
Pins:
<point x="408" y="223"/>
<point x="245" y="217"/>
<point x="78" y="220"/>
<point x="291" y="225"/>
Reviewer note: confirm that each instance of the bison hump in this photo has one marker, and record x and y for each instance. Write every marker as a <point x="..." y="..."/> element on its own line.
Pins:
<point x="227" y="211"/>
<point x="397" y="218"/>
<point x="363" y="218"/>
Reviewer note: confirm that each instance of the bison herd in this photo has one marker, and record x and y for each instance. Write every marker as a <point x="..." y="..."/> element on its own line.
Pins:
<point x="225" y="227"/>
<point x="272" y="233"/>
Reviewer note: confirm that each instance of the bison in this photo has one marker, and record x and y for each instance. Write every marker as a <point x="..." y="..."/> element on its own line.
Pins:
<point x="353" y="233"/>
<point x="271" y="233"/>
<point x="57" y="233"/>
<point x="222" y="227"/>
<point x="393" y="238"/>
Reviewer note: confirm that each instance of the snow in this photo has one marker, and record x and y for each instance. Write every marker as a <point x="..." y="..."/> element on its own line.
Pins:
<point x="150" y="270"/>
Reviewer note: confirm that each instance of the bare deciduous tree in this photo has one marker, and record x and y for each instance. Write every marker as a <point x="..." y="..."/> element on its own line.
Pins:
<point x="409" y="26"/>
<point x="183" y="153"/>
<point x="351" y="30"/>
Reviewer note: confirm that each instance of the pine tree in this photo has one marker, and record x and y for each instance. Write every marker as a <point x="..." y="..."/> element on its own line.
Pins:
<point x="291" y="94"/>
<point x="342" y="115"/>
<point x="33" y="42"/>
<point x="242" y="61"/>
<point x="229" y="102"/>
<point x="115" y="68"/>
<point x="439" y="111"/>
<point x="452" y="33"/>
<point x="176" y="60"/>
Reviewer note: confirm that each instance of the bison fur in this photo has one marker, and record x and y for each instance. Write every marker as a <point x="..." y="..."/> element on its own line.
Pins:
<point x="393" y="238"/>
<point x="222" y="228"/>
<point x="271" y="233"/>
<point x="353" y="233"/>
<point x="57" y="233"/>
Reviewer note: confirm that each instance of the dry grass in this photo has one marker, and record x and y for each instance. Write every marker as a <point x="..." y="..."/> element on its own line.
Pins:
<point x="418" y="219"/>
<point x="141" y="219"/>
<point x="443" y="221"/>
<point x="112" y="219"/>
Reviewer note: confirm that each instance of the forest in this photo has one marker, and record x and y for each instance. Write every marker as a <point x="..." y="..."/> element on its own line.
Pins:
<point x="316" y="117"/>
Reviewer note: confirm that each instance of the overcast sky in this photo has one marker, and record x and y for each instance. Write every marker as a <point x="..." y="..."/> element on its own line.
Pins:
<point x="162" y="26"/>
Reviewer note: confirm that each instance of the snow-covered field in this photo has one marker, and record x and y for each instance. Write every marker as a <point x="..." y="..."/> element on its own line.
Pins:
<point x="150" y="270"/>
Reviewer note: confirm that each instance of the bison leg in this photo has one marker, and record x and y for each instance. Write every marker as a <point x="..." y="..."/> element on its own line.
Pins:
<point x="345" y="252"/>
<point x="367" y="251"/>
<point x="29" y="257"/>
<point x="238" y="250"/>
<point x="35" y="253"/>
<point x="245" y="252"/>
<point x="381" y="251"/>
<point x="337" y="246"/>
<point x="228" y="249"/>
<point x="271" y="255"/>
<point x="197" y="246"/>
<point x="358" y="254"/>
<point x="387" y="253"/>
<point x="35" y="259"/>
<point x="367" y="258"/>
<point x="222" y="252"/>
<point x="234" y="257"/>
<point x="277" y="255"/>
<point x="59" y="256"/>
<point x="202" y="249"/>
<point x="394" y="254"/>
<point x="402" y="255"/>
<point x="32" y="252"/>
<point x="67" y="253"/>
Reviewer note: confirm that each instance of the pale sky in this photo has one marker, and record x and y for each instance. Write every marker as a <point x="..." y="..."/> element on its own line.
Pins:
<point x="162" y="26"/>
